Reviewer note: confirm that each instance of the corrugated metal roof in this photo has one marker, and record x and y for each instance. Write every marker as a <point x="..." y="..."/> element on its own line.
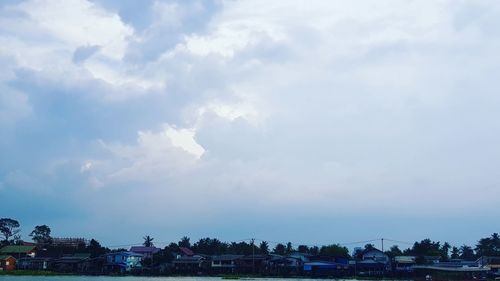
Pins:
<point x="16" y="249"/>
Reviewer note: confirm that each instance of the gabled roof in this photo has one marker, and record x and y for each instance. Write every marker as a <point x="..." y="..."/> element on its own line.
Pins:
<point x="371" y="250"/>
<point x="17" y="249"/>
<point x="186" y="251"/>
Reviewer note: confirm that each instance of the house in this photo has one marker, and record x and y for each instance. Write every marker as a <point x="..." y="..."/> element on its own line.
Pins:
<point x="72" y="263"/>
<point x="34" y="263"/>
<point x="7" y="263"/>
<point x="375" y="254"/>
<point x="19" y="251"/>
<point x="225" y="263"/>
<point x="250" y="264"/>
<point x="191" y="264"/>
<point x="373" y="263"/>
<point x="403" y="265"/>
<point x="93" y="266"/>
<point x="183" y="251"/>
<point x="146" y="252"/>
<point x="430" y="259"/>
<point x="121" y="262"/>
<point x="491" y="263"/>
<point x="326" y="269"/>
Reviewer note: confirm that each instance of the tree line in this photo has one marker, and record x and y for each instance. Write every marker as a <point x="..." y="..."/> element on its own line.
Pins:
<point x="41" y="235"/>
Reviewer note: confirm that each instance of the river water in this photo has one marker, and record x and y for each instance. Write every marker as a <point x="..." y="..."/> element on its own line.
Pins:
<point x="135" y="278"/>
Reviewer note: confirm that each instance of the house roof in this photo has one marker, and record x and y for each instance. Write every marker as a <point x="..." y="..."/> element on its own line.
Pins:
<point x="227" y="257"/>
<point x="4" y="257"/>
<point x="366" y="251"/>
<point x="17" y="249"/>
<point x="193" y="259"/>
<point x="404" y="259"/>
<point x="140" y="249"/>
<point x="186" y="251"/>
<point x="124" y="254"/>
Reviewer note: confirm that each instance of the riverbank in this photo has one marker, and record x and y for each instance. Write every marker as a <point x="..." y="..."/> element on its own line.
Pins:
<point x="33" y="273"/>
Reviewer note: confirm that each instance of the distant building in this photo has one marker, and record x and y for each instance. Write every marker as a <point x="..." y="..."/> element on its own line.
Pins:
<point x="491" y="263"/>
<point x="33" y="263"/>
<point x="404" y="264"/>
<point x="70" y="242"/>
<point x="72" y="263"/>
<point x="225" y="263"/>
<point x="374" y="263"/>
<point x="121" y="262"/>
<point x="191" y="264"/>
<point x="18" y="251"/>
<point x="183" y="251"/>
<point x="146" y="252"/>
<point x="7" y="263"/>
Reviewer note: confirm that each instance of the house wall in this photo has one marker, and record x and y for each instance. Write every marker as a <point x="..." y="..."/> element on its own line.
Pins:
<point x="8" y="264"/>
<point x="376" y="256"/>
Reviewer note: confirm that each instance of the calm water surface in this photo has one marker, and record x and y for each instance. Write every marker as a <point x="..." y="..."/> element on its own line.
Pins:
<point x="133" y="278"/>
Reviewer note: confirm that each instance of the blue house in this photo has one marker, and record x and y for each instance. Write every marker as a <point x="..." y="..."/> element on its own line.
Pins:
<point x="122" y="262"/>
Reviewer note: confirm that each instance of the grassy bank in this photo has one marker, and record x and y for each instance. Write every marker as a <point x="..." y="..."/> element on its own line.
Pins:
<point x="32" y="273"/>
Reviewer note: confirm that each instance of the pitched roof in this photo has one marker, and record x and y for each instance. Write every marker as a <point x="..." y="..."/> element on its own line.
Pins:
<point x="373" y="249"/>
<point x="186" y="251"/>
<point x="4" y="257"/>
<point x="16" y="249"/>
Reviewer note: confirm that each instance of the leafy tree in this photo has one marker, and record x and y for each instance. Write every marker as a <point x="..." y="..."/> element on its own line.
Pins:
<point x="173" y="247"/>
<point x="241" y="248"/>
<point x="289" y="248"/>
<point x="369" y="247"/>
<point x="148" y="241"/>
<point x="358" y="253"/>
<point x="489" y="246"/>
<point x="394" y="251"/>
<point x="334" y="250"/>
<point x="466" y="253"/>
<point x="426" y="247"/>
<point x="280" y="249"/>
<point x="303" y="249"/>
<point x="314" y="250"/>
<point x="9" y="228"/>
<point x="95" y="249"/>
<point x="455" y="253"/>
<point x="264" y="247"/>
<point x="41" y="235"/>
<point x="208" y="246"/>
<point x="185" y="242"/>
<point x="445" y="248"/>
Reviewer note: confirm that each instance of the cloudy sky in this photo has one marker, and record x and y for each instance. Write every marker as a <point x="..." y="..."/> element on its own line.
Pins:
<point x="302" y="121"/>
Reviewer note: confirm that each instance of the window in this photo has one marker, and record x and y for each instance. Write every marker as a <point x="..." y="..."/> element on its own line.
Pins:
<point x="7" y="263"/>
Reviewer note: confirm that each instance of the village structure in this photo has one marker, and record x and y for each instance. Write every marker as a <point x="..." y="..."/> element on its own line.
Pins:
<point x="371" y="263"/>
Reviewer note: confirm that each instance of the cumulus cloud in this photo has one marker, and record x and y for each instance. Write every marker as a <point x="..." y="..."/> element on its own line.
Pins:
<point x="253" y="109"/>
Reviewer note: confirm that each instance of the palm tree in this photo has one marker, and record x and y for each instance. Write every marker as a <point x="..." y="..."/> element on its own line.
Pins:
<point x="148" y="241"/>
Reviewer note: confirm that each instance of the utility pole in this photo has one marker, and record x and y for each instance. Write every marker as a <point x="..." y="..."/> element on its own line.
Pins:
<point x="253" y="256"/>
<point x="382" y="244"/>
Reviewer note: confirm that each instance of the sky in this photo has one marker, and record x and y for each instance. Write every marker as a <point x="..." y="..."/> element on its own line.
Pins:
<point x="314" y="122"/>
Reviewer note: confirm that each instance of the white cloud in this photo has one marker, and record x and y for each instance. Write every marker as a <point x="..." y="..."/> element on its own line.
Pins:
<point x="326" y="105"/>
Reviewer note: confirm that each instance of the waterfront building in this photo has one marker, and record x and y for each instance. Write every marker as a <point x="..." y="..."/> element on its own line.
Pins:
<point x="121" y="262"/>
<point x="7" y="263"/>
<point x="19" y="251"/>
<point x="146" y="252"/>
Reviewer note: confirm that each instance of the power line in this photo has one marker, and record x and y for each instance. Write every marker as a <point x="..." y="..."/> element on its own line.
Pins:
<point x="277" y="242"/>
